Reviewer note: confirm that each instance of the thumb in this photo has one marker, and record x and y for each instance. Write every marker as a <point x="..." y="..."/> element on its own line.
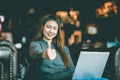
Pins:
<point x="49" y="45"/>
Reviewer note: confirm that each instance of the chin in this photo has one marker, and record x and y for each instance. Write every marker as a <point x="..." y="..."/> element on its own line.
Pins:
<point x="49" y="38"/>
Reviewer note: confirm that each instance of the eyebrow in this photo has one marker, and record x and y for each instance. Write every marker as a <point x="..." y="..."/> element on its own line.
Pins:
<point x="50" y="25"/>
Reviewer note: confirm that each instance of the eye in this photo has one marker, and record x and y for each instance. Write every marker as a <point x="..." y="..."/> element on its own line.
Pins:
<point x="54" y="28"/>
<point x="48" y="26"/>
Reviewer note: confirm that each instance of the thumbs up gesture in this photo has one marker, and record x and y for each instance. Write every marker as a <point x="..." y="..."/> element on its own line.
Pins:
<point x="51" y="53"/>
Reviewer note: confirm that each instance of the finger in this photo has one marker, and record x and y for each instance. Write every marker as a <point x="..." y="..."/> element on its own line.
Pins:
<point x="49" y="45"/>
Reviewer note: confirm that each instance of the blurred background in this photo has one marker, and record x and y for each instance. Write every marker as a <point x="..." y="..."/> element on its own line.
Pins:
<point x="86" y="25"/>
<point x="90" y="21"/>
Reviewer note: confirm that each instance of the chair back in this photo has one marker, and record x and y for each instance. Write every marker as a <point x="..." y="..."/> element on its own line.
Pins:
<point x="117" y="64"/>
<point x="8" y="61"/>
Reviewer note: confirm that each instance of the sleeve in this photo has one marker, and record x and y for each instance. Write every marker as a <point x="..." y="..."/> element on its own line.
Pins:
<point x="35" y="50"/>
<point x="72" y="67"/>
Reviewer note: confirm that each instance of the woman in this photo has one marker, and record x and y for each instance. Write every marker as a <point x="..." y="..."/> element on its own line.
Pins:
<point x="51" y="60"/>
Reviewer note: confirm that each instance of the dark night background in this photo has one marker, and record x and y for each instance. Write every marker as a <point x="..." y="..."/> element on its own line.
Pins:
<point x="17" y="11"/>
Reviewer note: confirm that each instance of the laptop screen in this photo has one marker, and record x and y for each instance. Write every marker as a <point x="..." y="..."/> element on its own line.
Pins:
<point x="90" y="65"/>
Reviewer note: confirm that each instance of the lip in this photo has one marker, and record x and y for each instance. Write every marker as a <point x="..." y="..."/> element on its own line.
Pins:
<point x="50" y="34"/>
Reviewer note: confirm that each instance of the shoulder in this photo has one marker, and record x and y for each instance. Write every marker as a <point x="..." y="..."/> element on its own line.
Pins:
<point x="66" y="49"/>
<point x="36" y="43"/>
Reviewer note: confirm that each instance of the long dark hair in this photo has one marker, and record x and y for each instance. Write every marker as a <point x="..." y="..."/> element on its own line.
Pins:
<point x="57" y="40"/>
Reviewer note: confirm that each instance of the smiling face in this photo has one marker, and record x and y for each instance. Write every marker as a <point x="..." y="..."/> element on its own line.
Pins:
<point x="50" y="30"/>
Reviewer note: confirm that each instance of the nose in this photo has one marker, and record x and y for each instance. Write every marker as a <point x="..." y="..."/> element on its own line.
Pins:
<point x="51" y="29"/>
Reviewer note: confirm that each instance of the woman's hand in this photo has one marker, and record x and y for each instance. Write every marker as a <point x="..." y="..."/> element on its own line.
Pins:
<point x="49" y="53"/>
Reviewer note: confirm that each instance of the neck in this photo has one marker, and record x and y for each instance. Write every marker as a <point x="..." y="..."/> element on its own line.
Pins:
<point x="47" y="40"/>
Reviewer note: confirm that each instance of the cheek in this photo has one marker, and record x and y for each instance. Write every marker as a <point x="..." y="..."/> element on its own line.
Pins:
<point x="44" y="30"/>
<point x="56" y="31"/>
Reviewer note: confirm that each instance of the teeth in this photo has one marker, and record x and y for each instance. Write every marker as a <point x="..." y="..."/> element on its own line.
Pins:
<point x="50" y="34"/>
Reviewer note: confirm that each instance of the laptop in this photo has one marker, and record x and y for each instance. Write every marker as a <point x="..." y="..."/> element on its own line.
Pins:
<point x="90" y="65"/>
